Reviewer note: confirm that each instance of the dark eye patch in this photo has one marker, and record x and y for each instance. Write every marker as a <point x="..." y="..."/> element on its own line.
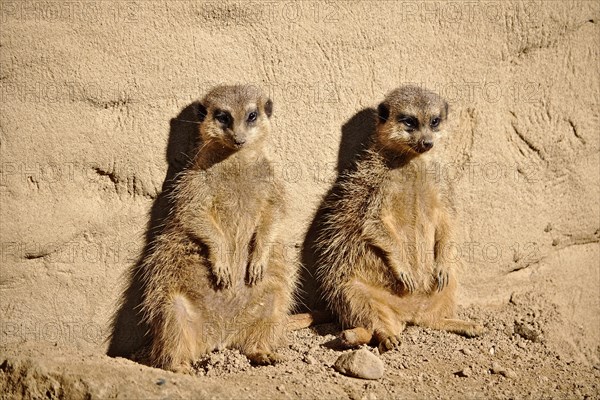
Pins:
<point x="409" y="121"/>
<point x="201" y="112"/>
<point x="383" y="113"/>
<point x="223" y="117"/>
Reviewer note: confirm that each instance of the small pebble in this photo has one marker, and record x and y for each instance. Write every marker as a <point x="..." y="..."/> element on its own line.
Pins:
<point x="526" y="332"/>
<point x="360" y="364"/>
<point x="464" y="373"/>
<point x="505" y="372"/>
<point x="369" y="396"/>
<point x="295" y="347"/>
<point x="509" y="373"/>
<point x="466" y="352"/>
<point x="309" y="359"/>
<point x="281" y="388"/>
<point x="160" y="381"/>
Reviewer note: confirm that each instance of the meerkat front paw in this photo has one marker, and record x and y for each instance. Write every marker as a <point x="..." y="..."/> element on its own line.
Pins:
<point x="407" y="281"/>
<point x="389" y="343"/>
<point x="442" y="276"/>
<point x="222" y="275"/>
<point x="256" y="271"/>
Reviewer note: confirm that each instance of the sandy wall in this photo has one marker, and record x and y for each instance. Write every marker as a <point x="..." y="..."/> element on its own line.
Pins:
<point x="90" y="94"/>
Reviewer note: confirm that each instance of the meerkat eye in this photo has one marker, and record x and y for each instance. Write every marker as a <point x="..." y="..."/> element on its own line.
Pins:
<point x="411" y="123"/>
<point x="223" y="117"/>
<point x="435" y="122"/>
<point x="252" y="116"/>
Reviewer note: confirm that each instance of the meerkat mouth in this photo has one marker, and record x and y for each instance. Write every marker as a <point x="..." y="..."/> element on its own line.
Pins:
<point x="420" y="149"/>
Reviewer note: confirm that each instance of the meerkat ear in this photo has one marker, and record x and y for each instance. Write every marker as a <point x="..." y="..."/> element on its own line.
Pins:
<point x="269" y="108"/>
<point x="202" y="112"/>
<point x="446" y="109"/>
<point x="383" y="112"/>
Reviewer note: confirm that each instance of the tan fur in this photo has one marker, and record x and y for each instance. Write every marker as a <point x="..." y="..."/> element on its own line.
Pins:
<point x="384" y="250"/>
<point x="217" y="276"/>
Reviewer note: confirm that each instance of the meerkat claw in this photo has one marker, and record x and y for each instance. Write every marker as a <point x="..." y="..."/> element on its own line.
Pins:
<point x="255" y="273"/>
<point x="389" y="343"/>
<point x="223" y="277"/>
<point x="257" y="359"/>
<point x="442" y="280"/>
<point x="407" y="281"/>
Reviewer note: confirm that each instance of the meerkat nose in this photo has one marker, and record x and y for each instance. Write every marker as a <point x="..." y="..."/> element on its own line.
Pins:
<point x="239" y="141"/>
<point x="426" y="144"/>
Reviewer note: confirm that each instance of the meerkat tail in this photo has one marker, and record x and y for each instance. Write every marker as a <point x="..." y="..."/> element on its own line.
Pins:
<point x="304" y="320"/>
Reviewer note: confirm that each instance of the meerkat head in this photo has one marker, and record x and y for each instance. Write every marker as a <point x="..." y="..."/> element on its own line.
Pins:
<point x="410" y="120"/>
<point x="234" y="116"/>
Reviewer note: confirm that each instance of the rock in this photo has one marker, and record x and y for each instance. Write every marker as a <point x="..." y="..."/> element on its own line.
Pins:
<point x="464" y="373"/>
<point x="360" y="364"/>
<point x="309" y="359"/>
<point x="527" y="332"/>
<point x="509" y="373"/>
<point x="506" y="372"/>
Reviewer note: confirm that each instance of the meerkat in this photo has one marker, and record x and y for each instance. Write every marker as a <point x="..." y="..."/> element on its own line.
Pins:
<point x="216" y="277"/>
<point x="384" y="251"/>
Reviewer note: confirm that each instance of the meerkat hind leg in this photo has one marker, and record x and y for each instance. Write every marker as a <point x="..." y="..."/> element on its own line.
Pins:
<point x="175" y="342"/>
<point x="257" y="339"/>
<point x="374" y="304"/>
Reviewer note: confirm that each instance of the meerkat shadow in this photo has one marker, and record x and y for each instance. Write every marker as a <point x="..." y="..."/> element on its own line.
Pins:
<point x="356" y="134"/>
<point x="127" y="331"/>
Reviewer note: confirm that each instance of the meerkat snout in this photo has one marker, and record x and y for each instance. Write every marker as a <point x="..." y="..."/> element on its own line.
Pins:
<point x="425" y="145"/>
